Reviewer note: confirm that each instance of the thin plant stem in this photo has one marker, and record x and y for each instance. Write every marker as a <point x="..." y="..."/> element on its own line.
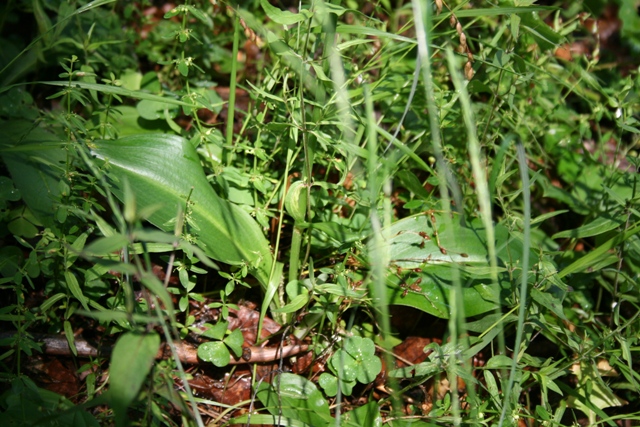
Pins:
<point x="378" y="245"/>
<point x="526" y="195"/>
<point x="422" y="16"/>
<point x="231" y="105"/>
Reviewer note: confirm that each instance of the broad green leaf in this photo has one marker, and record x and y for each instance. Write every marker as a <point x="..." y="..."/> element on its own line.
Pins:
<point x="422" y="260"/>
<point x="628" y="14"/>
<point x="166" y="169"/>
<point x="127" y="120"/>
<point x="296" y="201"/>
<point x="43" y="21"/>
<point x="116" y="316"/>
<point x="23" y="228"/>
<point x="215" y="352"/>
<point x="592" y="392"/>
<point x="131" y="361"/>
<point x="295" y="397"/>
<point x="216" y="331"/>
<point x="7" y="190"/>
<point x="154" y="110"/>
<point x="339" y="233"/>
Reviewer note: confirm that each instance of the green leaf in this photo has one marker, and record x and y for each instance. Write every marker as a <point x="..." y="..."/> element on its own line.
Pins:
<point x="115" y="90"/>
<point x="51" y="301"/>
<point x="283" y="17"/>
<point x="131" y="361"/>
<point x="492" y="385"/>
<point x="373" y="32"/>
<point x="499" y="361"/>
<point x="422" y="263"/>
<point x="23" y="228"/>
<point x="600" y="225"/>
<point x="32" y="156"/>
<point x="329" y="383"/>
<point x="154" y="110"/>
<point x="296" y="201"/>
<point x="344" y="365"/>
<point x="588" y="260"/>
<point x="215" y="352"/>
<point x="216" y="331"/>
<point x="106" y="245"/>
<point x="546" y="300"/>
<point x="200" y="15"/>
<point x="7" y="190"/>
<point x="151" y="282"/>
<point x="234" y="341"/>
<point x="496" y="11"/>
<point x="166" y="168"/>
<point x="68" y="332"/>
<point x="269" y="420"/>
<point x="412" y="183"/>
<point x="365" y="415"/>
<point x="424" y="369"/>
<point x="541" y="32"/>
<point x="74" y="287"/>
<point x="296" y="303"/>
<point x="628" y="14"/>
<point x="295" y="397"/>
<point x="357" y="360"/>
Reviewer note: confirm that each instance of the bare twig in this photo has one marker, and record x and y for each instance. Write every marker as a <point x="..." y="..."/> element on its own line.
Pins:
<point x="187" y="353"/>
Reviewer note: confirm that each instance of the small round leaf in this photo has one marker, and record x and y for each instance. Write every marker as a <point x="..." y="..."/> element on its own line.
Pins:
<point x="214" y="352"/>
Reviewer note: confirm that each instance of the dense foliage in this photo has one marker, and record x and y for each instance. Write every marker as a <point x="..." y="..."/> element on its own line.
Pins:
<point x="350" y="213"/>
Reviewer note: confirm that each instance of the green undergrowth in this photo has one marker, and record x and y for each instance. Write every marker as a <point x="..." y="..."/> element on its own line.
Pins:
<point x="362" y="172"/>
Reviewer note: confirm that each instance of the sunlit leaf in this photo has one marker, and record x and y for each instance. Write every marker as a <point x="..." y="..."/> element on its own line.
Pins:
<point x="215" y="352"/>
<point x="166" y="169"/>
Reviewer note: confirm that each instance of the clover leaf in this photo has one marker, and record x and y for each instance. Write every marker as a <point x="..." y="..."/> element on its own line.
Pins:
<point x="217" y="352"/>
<point x="330" y="385"/>
<point x="356" y="361"/>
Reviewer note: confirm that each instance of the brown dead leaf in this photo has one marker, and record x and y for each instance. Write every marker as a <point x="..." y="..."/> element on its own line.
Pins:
<point x="247" y="321"/>
<point x="56" y="376"/>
